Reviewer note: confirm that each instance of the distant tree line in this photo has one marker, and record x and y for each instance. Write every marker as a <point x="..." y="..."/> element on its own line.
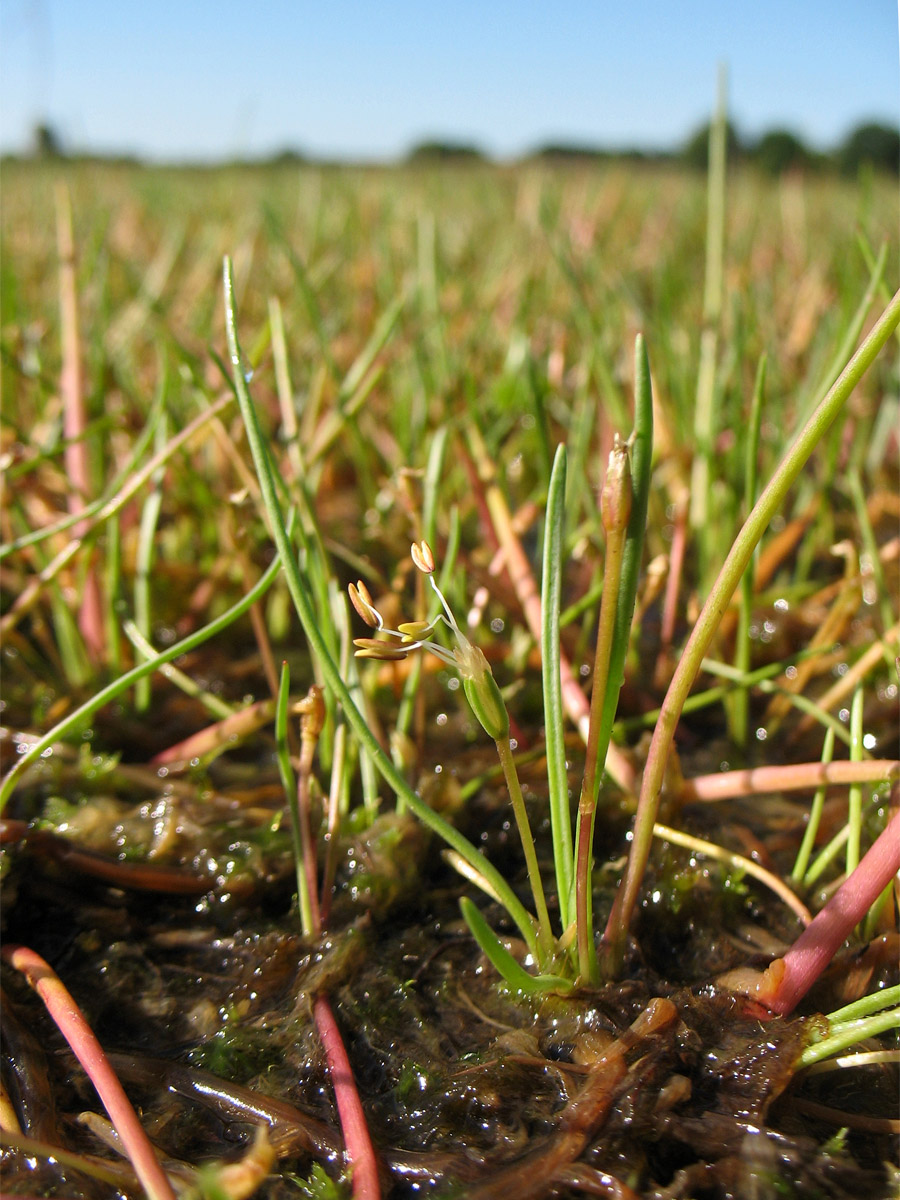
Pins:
<point x="869" y="145"/>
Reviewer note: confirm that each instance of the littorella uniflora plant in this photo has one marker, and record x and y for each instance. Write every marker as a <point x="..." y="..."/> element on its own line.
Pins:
<point x="486" y="701"/>
<point x="482" y="693"/>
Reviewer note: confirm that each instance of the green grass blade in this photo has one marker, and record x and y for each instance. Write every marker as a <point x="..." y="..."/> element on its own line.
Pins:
<point x="641" y="469"/>
<point x="854" y="796"/>
<point x="359" y="368"/>
<point x="503" y="962"/>
<point x="814" y="819"/>
<point x="554" y="719"/>
<point x="144" y="562"/>
<point x="870" y="560"/>
<point x="101" y="504"/>
<point x="845" y="1034"/>
<point x="334" y="681"/>
<point x="75" y="720"/>
<point x="430" y="496"/>
<point x="854" y="329"/>
<point x="307" y="291"/>
<point x="739" y="708"/>
<point x="217" y="707"/>
<point x="705" y="406"/>
<point x="707" y="623"/>
<point x="289" y="782"/>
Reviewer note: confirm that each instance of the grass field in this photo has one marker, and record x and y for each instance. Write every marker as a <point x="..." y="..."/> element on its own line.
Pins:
<point x="417" y="341"/>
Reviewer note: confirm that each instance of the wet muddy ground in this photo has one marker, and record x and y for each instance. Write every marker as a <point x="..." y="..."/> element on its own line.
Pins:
<point x="172" y="925"/>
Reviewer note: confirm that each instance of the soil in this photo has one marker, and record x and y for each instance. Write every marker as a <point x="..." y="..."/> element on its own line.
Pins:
<point x="173" y="927"/>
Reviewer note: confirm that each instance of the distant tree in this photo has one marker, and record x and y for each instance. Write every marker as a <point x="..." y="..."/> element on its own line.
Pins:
<point x="780" y="150"/>
<point x="874" y="145"/>
<point x="441" y="151"/>
<point x="46" y="141"/>
<point x="286" y="158"/>
<point x="696" y="150"/>
<point x="569" y="152"/>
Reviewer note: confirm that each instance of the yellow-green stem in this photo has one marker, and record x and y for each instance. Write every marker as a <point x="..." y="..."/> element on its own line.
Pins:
<point x="545" y="936"/>
<point x="590" y="786"/>
<point x="708" y="622"/>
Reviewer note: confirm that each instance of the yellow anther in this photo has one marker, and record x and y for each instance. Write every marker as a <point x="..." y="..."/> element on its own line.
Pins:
<point x="413" y="631"/>
<point x="371" y="648"/>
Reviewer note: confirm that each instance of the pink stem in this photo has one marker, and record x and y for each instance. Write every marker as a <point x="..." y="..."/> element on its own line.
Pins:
<point x="214" y="737"/>
<point x="757" y="780"/>
<point x="673" y="583"/>
<point x="360" y="1151"/>
<point x="75" y="1029"/>
<point x="788" y="979"/>
<point x="90" y="618"/>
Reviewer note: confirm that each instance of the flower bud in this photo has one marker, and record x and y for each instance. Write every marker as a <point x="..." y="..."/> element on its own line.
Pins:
<point x="421" y="554"/>
<point x="615" y="497"/>
<point x="361" y="599"/>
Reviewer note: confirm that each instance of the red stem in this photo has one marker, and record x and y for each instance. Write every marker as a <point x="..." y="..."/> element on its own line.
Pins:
<point x="75" y="1029"/>
<point x="360" y="1151"/>
<point x="788" y="979"/>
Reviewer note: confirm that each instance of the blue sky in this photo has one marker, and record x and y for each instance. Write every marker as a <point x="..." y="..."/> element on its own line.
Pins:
<point x="184" y="79"/>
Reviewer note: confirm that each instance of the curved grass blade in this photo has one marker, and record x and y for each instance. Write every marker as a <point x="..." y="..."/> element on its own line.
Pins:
<point x="503" y="962"/>
<point x="303" y="604"/>
<point x="719" y="597"/>
<point x="84" y="712"/>
<point x="554" y="717"/>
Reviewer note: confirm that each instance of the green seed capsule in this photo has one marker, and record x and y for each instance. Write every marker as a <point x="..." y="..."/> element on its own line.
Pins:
<point x="484" y="695"/>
